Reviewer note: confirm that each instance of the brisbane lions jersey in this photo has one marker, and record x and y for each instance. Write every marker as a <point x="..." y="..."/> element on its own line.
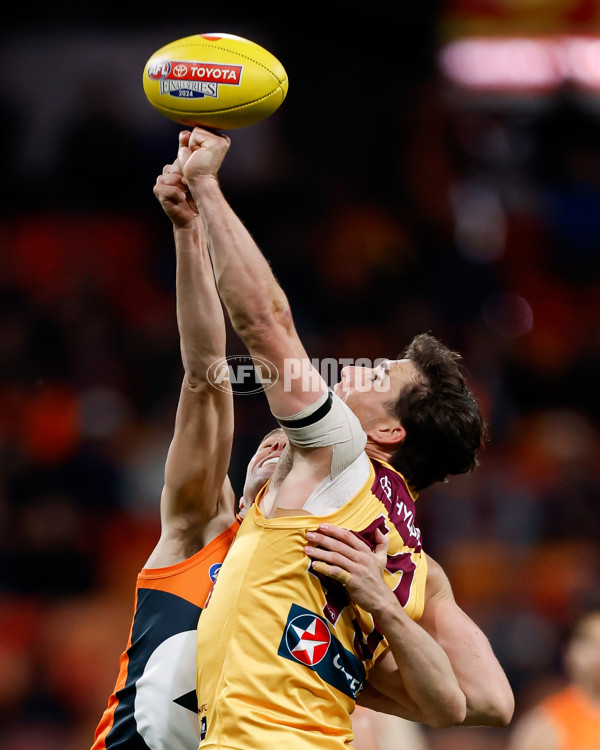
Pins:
<point x="153" y="705"/>
<point x="282" y="653"/>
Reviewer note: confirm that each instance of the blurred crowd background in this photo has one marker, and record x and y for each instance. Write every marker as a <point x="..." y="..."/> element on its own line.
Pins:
<point x="390" y="198"/>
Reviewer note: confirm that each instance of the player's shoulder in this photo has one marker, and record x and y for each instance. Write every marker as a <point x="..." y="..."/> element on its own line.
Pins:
<point x="389" y="480"/>
<point x="391" y="489"/>
<point x="174" y="554"/>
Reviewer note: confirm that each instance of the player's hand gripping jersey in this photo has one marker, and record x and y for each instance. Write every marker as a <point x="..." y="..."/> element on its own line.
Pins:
<point x="283" y="654"/>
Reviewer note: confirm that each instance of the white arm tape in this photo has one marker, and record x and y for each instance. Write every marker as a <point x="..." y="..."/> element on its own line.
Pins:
<point x="338" y="426"/>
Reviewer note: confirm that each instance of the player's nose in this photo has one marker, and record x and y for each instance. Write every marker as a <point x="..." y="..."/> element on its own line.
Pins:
<point x="347" y="374"/>
<point x="279" y="443"/>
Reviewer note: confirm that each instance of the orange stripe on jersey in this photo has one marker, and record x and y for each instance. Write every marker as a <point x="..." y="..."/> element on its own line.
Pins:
<point x="106" y="722"/>
<point x="186" y="586"/>
<point x="182" y="579"/>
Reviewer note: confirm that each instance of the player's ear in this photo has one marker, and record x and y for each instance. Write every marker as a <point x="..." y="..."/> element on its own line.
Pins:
<point x="387" y="434"/>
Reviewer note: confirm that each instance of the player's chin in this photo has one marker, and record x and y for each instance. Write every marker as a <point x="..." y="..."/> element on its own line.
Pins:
<point x="262" y="475"/>
<point x="266" y="472"/>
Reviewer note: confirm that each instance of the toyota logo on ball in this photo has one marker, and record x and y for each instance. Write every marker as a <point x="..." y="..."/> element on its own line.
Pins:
<point x="242" y="375"/>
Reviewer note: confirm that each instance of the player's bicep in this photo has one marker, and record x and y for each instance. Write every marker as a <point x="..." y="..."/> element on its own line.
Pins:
<point x="490" y="699"/>
<point x="461" y="638"/>
<point x="312" y="417"/>
<point x="199" y="454"/>
<point x="293" y="381"/>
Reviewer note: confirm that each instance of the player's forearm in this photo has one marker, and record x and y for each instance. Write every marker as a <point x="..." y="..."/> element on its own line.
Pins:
<point x="425" y="669"/>
<point x="199" y="312"/>
<point x="253" y="298"/>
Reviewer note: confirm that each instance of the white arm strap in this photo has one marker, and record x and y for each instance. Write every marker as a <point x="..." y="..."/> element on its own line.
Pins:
<point x="327" y="422"/>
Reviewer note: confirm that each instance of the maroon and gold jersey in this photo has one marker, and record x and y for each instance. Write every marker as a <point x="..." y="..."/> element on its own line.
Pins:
<point x="282" y="652"/>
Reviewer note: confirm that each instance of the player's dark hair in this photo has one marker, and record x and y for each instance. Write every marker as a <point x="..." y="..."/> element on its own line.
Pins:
<point x="444" y="427"/>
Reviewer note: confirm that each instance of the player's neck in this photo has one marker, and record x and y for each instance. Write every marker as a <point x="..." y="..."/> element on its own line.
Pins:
<point x="373" y="450"/>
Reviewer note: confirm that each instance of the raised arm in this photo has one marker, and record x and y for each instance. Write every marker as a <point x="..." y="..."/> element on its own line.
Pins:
<point x="325" y="437"/>
<point x="258" y="307"/>
<point x="197" y="501"/>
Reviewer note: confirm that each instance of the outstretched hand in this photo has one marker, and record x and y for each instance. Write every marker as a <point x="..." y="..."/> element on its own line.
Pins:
<point x="341" y="555"/>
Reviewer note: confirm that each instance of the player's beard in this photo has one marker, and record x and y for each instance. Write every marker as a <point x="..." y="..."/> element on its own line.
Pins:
<point x="283" y="468"/>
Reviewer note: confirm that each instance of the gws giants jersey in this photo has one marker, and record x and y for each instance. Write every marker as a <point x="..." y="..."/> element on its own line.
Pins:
<point x="153" y="705"/>
<point x="282" y="655"/>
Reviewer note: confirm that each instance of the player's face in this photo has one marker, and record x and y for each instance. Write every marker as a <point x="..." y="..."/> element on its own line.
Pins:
<point x="369" y="391"/>
<point x="267" y="454"/>
<point x="262" y="464"/>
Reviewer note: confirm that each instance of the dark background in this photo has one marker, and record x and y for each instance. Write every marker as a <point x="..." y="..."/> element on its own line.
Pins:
<point x="389" y="202"/>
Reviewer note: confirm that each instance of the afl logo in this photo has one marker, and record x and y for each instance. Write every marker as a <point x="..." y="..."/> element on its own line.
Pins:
<point x="213" y="571"/>
<point x="159" y="69"/>
<point x="307" y="638"/>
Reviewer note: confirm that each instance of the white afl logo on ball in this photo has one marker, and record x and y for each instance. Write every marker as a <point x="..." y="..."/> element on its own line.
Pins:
<point x="158" y="70"/>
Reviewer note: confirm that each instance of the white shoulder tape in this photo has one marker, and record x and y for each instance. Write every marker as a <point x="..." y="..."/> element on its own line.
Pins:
<point x="327" y="422"/>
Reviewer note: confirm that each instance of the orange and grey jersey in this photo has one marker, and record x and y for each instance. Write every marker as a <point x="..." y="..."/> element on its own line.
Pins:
<point x="576" y="719"/>
<point x="153" y="705"/>
<point x="282" y="652"/>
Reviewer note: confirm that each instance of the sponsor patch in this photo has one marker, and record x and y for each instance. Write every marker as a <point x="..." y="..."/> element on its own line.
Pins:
<point x="193" y="80"/>
<point x="308" y="640"/>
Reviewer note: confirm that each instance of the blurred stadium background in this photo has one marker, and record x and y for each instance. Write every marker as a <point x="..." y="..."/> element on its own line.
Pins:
<point x="434" y="167"/>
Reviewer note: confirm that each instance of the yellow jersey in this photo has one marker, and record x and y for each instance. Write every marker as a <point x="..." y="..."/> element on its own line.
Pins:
<point x="282" y="652"/>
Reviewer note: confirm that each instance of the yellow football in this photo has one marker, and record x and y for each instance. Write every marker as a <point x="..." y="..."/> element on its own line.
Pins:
<point x="215" y="80"/>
